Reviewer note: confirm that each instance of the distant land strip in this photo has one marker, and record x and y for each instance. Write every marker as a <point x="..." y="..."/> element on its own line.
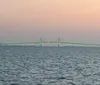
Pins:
<point x="50" y="43"/>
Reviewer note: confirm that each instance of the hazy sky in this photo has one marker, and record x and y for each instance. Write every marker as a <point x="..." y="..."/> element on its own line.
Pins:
<point x="71" y="20"/>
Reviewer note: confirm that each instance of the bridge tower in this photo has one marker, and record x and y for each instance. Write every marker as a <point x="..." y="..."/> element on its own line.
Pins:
<point x="58" y="42"/>
<point x="41" y="41"/>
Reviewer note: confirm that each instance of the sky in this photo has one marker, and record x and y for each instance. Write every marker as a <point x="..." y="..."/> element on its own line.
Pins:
<point x="71" y="20"/>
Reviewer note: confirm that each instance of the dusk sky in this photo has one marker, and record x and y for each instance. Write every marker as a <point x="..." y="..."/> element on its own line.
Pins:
<point x="71" y="20"/>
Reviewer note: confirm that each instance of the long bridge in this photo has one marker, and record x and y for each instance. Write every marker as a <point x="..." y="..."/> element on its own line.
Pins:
<point x="50" y="43"/>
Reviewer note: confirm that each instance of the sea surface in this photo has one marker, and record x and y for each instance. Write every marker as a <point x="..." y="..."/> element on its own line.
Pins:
<point x="29" y="65"/>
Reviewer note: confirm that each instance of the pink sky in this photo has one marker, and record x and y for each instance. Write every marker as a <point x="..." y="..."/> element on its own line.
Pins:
<point x="72" y="20"/>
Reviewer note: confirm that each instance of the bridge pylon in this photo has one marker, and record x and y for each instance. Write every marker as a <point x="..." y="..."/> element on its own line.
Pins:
<point x="41" y="41"/>
<point x="58" y="42"/>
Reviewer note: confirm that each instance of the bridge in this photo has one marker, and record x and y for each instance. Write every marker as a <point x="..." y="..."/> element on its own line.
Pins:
<point x="50" y="43"/>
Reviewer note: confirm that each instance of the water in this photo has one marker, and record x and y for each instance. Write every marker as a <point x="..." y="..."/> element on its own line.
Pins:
<point x="29" y="65"/>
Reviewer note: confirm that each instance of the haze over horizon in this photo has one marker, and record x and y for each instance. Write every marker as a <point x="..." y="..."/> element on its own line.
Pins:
<point x="71" y="20"/>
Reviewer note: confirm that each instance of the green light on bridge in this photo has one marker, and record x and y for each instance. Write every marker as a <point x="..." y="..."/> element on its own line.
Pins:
<point x="41" y="43"/>
<point x="59" y="43"/>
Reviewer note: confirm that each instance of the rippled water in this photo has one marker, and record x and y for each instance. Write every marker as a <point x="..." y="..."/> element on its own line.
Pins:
<point x="49" y="66"/>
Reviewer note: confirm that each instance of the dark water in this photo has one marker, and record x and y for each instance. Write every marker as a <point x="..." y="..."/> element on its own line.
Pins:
<point x="49" y="66"/>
